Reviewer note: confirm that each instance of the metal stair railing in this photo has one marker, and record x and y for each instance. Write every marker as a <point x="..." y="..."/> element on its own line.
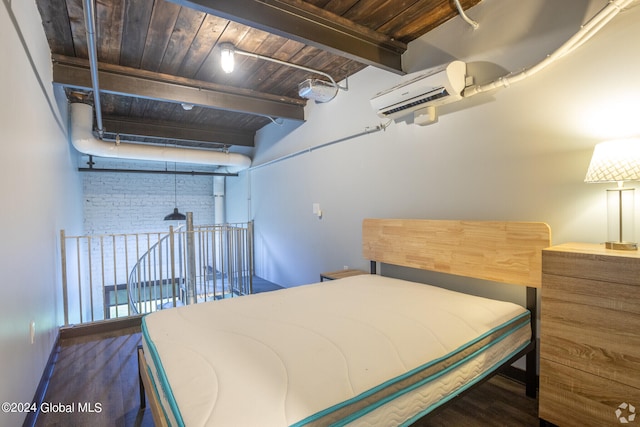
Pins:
<point x="153" y="280"/>
<point x="225" y="260"/>
<point x="198" y="264"/>
<point x="95" y="271"/>
<point x="97" y="283"/>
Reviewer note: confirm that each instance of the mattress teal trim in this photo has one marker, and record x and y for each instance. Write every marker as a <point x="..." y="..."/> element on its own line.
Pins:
<point x="422" y="382"/>
<point x="155" y="390"/>
<point x="164" y="383"/>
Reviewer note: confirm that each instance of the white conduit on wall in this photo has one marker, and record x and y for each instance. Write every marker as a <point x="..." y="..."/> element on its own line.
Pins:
<point x="464" y="16"/>
<point x="587" y="31"/>
<point x="84" y="141"/>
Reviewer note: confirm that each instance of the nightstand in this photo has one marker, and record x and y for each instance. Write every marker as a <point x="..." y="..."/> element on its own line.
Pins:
<point x="332" y="275"/>
<point x="589" y="335"/>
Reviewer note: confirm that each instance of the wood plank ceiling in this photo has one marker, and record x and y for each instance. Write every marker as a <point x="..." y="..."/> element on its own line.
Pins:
<point x="154" y="55"/>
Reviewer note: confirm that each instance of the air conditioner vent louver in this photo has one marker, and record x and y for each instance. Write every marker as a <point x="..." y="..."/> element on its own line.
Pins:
<point x="436" y="86"/>
<point x="441" y="93"/>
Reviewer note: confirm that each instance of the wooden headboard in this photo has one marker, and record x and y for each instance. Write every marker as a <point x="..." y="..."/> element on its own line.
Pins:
<point x="500" y="251"/>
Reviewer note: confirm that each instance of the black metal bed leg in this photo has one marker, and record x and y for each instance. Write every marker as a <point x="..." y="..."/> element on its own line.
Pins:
<point x="531" y="376"/>
<point x="143" y="398"/>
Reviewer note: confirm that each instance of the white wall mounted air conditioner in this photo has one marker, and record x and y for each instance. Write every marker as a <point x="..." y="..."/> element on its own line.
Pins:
<point x="433" y="87"/>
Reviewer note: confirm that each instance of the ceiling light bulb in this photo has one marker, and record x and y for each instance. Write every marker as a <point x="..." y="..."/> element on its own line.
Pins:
<point x="187" y="107"/>
<point x="226" y="57"/>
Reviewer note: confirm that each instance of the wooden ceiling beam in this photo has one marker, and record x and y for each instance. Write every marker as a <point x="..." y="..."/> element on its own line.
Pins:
<point x="75" y="73"/>
<point x="310" y="25"/>
<point x="172" y="131"/>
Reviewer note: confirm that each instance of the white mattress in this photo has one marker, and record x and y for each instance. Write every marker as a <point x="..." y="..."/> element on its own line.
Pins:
<point x="366" y="350"/>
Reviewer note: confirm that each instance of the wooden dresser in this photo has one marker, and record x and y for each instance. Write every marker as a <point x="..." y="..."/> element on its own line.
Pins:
<point x="590" y="336"/>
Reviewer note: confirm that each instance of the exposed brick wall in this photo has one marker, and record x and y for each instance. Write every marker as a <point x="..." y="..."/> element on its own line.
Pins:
<point x="133" y="202"/>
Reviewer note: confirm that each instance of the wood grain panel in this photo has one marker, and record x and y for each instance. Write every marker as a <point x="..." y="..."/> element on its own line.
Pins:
<point x="163" y="19"/>
<point x="593" y="359"/>
<point x="339" y="7"/>
<point x="137" y="16"/>
<point x="599" y="341"/>
<point x="56" y="26"/>
<point x="201" y="45"/>
<point x="595" y="262"/>
<point x="413" y="21"/>
<point x="109" y="21"/>
<point x="75" y="12"/>
<point x="187" y="26"/>
<point x="606" y="295"/>
<point x="570" y="397"/>
<point x="507" y="252"/>
<point x="374" y="13"/>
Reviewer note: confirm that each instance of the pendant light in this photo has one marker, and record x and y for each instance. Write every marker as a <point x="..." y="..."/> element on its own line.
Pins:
<point x="175" y="215"/>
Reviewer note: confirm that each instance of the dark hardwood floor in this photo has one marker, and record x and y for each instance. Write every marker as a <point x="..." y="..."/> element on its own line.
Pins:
<point x="101" y="373"/>
<point x="95" y="384"/>
<point x="499" y="402"/>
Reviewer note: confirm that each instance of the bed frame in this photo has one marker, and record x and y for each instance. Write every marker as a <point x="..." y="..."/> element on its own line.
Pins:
<point x="498" y="251"/>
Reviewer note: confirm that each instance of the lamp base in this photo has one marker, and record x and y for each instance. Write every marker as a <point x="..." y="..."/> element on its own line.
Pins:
<point x="622" y="246"/>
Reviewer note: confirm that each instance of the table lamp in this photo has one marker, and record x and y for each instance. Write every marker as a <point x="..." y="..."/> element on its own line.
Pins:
<point x="617" y="161"/>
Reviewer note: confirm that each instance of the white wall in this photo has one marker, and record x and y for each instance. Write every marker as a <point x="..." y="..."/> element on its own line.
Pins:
<point x="40" y="192"/>
<point x="515" y="154"/>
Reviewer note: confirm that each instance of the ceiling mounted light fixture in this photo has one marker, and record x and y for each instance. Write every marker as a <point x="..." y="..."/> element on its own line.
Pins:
<point x="227" y="60"/>
<point x="314" y="89"/>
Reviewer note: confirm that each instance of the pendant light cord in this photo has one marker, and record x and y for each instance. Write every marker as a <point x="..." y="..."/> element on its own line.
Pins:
<point x="175" y="185"/>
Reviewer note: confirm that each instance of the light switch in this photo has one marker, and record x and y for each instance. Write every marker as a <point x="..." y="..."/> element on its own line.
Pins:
<point x="316" y="210"/>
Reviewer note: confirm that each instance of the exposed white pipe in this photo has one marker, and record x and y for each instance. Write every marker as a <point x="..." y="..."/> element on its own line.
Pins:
<point x="367" y="130"/>
<point x="218" y="200"/>
<point x="587" y="31"/>
<point x="84" y="141"/>
<point x="90" y="25"/>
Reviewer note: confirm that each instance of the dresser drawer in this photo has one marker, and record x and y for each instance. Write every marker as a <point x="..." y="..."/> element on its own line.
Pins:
<point x="592" y="326"/>
<point x="593" y="262"/>
<point x="570" y="397"/>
